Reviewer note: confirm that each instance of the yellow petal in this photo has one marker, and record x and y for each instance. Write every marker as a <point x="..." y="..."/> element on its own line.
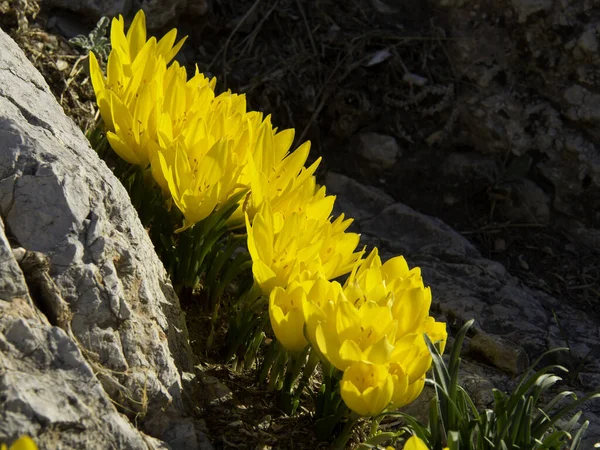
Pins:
<point x="415" y="443"/>
<point x="380" y="352"/>
<point x="122" y="148"/>
<point x="96" y="74"/>
<point x="350" y="353"/>
<point x="412" y="392"/>
<point x="136" y="36"/>
<point x="366" y="388"/>
<point x="287" y="320"/>
<point x="23" y="443"/>
<point x="117" y="35"/>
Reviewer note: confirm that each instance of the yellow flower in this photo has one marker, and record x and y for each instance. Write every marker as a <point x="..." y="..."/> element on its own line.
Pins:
<point x="200" y="183"/>
<point x="415" y="443"/>
<point x="281" y="249"/>
<point x="130" y="97"/>
<point x="23" y="443"/>
<point x="304" y="301"/>
<point x="320" y="302"/>
<point x="287" y="319"/>
<point x="366" y="388"/>
<point x="338" y="251"/>
<point x="380" y="318"/>
<point x="130" y="45"/>
<point x="351" y="334"/>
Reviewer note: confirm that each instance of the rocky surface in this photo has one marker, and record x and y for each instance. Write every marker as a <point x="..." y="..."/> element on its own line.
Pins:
<point x="47" y="387"/>
<point x="530" y="76"/>
<point x="514" y="324"/>
<point x="59" y="200"/>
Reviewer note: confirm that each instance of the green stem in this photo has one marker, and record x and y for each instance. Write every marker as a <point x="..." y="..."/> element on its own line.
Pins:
<point x="344" y="436"/>
<point x="309" y="369"/>
<point x="278" y="368"/>
<point x="375" y="424"/>
<point x="268" y="361"/>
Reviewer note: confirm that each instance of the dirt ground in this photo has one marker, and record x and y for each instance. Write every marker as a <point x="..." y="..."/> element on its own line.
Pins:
<point x="329" y="69"/>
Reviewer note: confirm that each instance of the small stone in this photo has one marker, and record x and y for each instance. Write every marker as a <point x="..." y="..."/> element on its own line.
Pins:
<point x="62" y="65"/>
<point x="450" y="199"/>
<point x="499" y="245"/>
<point x="500" y="352"/>
<point x="19" y="253"/>
<point x="215" y="391"/>
<point x="525" y="8"/>
<point x="528" y="203"/>
<point x="380" y="150"/>
<point x="588" y="42"/>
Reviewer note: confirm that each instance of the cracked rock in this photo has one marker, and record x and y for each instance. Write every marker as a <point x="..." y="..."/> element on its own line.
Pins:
<point x="60" y="201"/>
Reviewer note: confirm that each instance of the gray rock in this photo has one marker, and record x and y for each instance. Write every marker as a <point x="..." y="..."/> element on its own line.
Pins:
<point x="587" y="237"/>
<point x="588" y="41"/>
<point x="526" y="203"/>
<point x="583" y="105"/>
<point x="46" y="383"/>
<point x="404" y="230"/>
<point x="59" y="199"/>
<point x="380" y="150"/>
<point x="468" y="166"/>
<point x="94" y="8"/>
<point x="365" y="201"/>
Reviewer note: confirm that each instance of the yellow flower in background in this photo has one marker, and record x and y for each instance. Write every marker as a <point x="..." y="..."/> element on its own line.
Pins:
<point x="415" y="443"/>
<point x="23" y="443"/>
<point x="366" y="388"/>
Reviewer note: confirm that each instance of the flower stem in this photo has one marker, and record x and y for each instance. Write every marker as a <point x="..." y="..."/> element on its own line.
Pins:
<point x="344" y="436"/>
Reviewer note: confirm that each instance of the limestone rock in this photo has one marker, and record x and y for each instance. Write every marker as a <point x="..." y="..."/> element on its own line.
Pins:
<point x="59" y="199"/>
<point x="46" y="384"/>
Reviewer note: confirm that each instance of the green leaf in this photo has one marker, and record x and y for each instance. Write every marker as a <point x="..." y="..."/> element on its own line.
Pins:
<point x="540" y="427"/>
<point x="579" y="435"/>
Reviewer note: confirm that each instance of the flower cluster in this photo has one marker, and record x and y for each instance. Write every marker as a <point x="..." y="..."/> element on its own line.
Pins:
<point x="201" y="148"/>
<point x="371" y="328"/>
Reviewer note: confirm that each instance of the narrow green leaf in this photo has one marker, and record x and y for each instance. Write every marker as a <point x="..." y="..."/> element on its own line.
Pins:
<point x="579" y="436"/>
